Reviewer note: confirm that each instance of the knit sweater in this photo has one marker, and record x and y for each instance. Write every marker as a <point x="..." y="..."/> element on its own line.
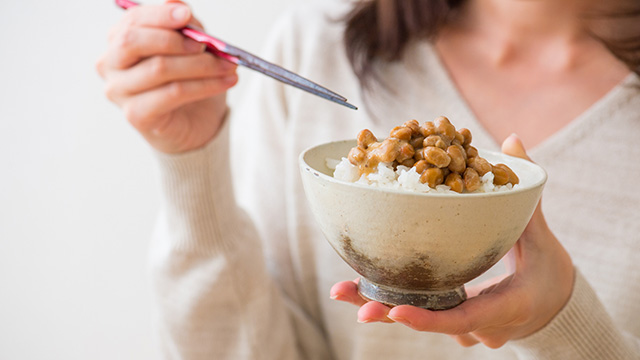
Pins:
<point x="242" y="271"/>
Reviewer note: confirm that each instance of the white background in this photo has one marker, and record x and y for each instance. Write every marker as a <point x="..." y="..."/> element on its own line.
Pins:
<point x="78" y="191"/>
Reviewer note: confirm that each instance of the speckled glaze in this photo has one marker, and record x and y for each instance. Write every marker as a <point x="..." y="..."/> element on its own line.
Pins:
<point x="417" y="248"/>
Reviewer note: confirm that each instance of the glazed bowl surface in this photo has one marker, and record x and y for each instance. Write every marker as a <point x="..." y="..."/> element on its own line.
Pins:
<point x="417" y="248"/>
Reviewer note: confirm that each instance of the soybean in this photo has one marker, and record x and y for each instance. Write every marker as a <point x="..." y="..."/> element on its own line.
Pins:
<point x="458" y="163"/>
<point x="436" y="156"/>
<point x="365" y="138"/>
<point x="437" y="151"/>
<point x="471" y="180"/>
<point x="432" y="177"/>
<point x="455" y="182"/>
<point x="500" y="176"/>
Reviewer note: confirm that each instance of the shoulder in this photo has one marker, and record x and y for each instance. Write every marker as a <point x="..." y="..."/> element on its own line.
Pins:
<point x="306" y="31"/>
<point x="623" y="104"/>
<point x="316" y="16"/>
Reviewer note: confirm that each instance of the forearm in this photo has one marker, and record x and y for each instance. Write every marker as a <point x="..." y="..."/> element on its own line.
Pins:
<point x="215" y="297"/>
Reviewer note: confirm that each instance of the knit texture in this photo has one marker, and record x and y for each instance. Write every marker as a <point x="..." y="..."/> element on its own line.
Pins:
<point x="252" y="281"/>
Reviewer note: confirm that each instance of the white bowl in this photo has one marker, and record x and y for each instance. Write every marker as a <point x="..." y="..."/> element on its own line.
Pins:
<point x="417" y="248"/>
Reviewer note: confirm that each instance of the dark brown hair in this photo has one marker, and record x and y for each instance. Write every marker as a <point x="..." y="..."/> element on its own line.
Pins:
<point x="381" y="30"/>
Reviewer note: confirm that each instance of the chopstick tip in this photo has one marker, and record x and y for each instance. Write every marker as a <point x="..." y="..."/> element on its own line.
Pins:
<point x="353" y="107"/>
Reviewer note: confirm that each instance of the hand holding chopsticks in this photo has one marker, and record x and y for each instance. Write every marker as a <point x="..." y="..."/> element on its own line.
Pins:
<point x="243" y="58"/>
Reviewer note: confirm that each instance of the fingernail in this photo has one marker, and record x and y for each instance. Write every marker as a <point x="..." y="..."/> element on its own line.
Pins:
<point x="364" y="321"/>
<point x="399" y="320"/>
<point x="193" y="46"/>
<point x="180" y="13"/>
<point x="339" y="297"/>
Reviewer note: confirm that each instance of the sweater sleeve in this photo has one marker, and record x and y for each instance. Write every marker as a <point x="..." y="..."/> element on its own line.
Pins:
<point x="217" y="296"/>
<point x="216" y="301"/>
<point x="582" y="330"/>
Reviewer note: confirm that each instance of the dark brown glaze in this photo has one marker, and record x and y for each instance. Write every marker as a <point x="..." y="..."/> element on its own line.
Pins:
<point x="419" y="274"/>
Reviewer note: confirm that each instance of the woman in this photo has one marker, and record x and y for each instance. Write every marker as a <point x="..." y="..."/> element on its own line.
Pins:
<point x="250" y="285"/>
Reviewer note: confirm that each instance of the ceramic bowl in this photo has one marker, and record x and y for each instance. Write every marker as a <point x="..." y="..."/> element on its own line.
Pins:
<point x="417" y="248"/>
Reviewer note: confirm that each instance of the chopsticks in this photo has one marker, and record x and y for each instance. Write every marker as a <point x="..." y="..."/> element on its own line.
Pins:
<point x="241" y="57"/>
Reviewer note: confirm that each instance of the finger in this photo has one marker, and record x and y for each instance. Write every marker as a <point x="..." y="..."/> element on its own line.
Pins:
<point x="465" y="340"/>
<point x="476" y="313"/>
<point x="144" y="109"/>
<point x="347" y="291"/>
<point x="193" y="20"/>
<point x="485" y="286"/>
<point x="136" y="43"/>
<point x="373" y="311"/>
<point x="173" y="15"/>
<point x="509" y="260"/>
<point x="197" y="23"/>
<point x="513" y="146"/>
<point x="159" y="70"/>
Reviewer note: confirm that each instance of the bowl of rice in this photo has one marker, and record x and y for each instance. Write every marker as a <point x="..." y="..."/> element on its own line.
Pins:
<point x="411" y="243"/>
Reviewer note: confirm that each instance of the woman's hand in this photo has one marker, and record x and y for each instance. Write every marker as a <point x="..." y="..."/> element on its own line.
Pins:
<point x="539" y="284"/>
<point x="171" y="91"/>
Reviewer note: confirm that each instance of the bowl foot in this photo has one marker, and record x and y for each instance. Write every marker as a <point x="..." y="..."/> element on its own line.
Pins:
<point x="432" y="300"/>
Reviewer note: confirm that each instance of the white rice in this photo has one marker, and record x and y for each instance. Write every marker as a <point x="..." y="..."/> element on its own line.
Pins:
<point x="402" y="178"/>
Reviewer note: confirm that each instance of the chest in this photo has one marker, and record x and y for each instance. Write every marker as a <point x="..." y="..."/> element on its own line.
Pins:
<point x="530" y="98"/>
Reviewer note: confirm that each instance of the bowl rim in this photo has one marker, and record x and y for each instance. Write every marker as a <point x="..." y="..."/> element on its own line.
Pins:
<point x="304" y="166"/>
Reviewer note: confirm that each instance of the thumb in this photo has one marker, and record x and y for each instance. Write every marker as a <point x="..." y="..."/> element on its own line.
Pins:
<point x="513" y="146"/>
<point x="192" y="20"/>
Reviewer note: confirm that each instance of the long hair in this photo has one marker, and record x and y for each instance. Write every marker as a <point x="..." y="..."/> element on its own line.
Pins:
<point x="382" y="29"/>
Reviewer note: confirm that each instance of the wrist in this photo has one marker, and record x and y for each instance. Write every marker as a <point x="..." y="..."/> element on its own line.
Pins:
<point x="192" y="129"/>
<point x="552" y="299"/>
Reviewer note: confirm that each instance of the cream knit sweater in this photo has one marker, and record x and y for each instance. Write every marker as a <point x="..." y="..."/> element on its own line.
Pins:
<point x="252" y="282"/>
